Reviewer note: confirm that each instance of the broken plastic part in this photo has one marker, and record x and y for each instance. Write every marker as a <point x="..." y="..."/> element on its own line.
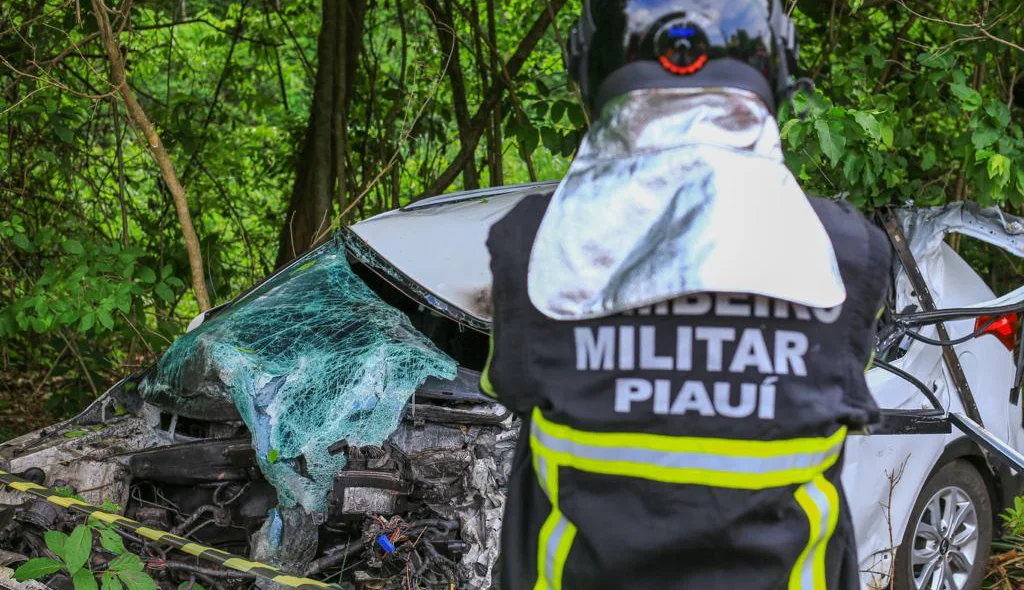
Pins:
<point x="385" y="543"/>
<point x="310" y="357"/>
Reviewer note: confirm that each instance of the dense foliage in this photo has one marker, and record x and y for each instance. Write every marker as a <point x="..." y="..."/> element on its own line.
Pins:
<point x="918" y="102"/>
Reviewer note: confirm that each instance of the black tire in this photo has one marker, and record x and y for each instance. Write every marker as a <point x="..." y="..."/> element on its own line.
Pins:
<point x="959" y="475"/>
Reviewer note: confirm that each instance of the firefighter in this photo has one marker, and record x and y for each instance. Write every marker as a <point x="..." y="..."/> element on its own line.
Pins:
<point x="682" y="331"/>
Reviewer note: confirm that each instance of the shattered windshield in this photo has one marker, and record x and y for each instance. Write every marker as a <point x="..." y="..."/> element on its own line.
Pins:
<point x="309" y="358"/>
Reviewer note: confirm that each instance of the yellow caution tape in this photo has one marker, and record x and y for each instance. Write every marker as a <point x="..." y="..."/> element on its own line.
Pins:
<point x="223" y="558"/>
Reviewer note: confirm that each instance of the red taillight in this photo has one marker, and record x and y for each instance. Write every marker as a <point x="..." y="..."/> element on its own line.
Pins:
<point x="1005" y="328"/>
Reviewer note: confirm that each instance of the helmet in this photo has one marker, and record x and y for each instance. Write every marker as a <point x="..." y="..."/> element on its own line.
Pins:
<point x="623" y="45"/>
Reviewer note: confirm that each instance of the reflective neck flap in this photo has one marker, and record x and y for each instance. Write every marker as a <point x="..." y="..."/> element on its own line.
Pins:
<point x="678" y="191"/>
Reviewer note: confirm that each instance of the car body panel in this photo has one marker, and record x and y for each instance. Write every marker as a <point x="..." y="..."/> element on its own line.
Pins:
<point x="447" y="259"/>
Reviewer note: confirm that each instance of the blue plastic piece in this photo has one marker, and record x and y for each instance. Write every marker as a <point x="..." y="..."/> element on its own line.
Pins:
<point x="385" y="543"/>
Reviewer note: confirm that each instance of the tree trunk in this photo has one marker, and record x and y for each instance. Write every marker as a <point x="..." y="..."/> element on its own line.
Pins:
<point x="320" y="176"/>
<point x="444" y="23"/>
<point x="156" y="148"/>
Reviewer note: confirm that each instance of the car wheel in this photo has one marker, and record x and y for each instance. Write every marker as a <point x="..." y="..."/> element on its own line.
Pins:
<point x="947" y="542"/>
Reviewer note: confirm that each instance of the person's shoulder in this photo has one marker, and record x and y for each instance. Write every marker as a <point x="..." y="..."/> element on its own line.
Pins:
<point x="857" y="239"/>
<point x="523" y="218"/>
<point x="841" y="217"/>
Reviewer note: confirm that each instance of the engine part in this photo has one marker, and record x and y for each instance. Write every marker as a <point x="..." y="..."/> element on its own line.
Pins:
<point x="199" y="462"/>
<point x="39" y="513"/>
<point x="368" y="492"/>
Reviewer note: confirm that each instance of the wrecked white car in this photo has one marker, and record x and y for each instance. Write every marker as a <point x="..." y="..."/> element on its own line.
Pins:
<point x="327" y="424"/>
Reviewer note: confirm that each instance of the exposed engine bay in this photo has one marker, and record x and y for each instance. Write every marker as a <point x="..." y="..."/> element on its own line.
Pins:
<point x="423" y="510"/>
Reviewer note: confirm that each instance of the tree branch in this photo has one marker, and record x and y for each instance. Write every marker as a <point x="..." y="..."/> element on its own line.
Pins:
<point x="156" y="148"/>
<point x="491" y="98"/>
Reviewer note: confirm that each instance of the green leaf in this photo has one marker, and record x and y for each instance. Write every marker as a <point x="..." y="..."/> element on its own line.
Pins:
<point x="111" y="541"/>
<point x="999" y="166"/>
<point x="21" y="241"/>
<point x="190" y="586"/>
<point x="78" y="548"/>
<point x="928" y="157"/>
<point x="576" y="115"/>
<point x="970" y="100"/>
<point x="55" y="541"/>
<point x="76" y="433"/>
<point x="87" y="321"/>
<point x="105" y="319"/>
<point x="305" y="266"/>
<point x="126" y="562"/>
<point x="552" y="140"/>
<point x="107" y="505"/>
<point x="137" y="581"/>
<point x="832" y="144"/>
<point x="984" y="137"/>
<point x="557" y="112"/>
<point x="146" y="274"/>
<point x="34" y="569"/>
<point x="72" y="246"/>
<point x="855" y="5"/>
<point x="788" y="127"/>
<point x="869" y="123"/>
<point x="998" y="111"/>
<point x="530" y="137"/>
<point x="164" y="292"/>
<point x="272" y="456"/>
<point x="65" y="134"/>
<point x="887" y="132"/>
<point x="111" y="582"/>
<point x="84" y="580"/>
<point x="166" y="271"/>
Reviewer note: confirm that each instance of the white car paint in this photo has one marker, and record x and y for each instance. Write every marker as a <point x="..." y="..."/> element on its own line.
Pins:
<point x="440" y="244"/>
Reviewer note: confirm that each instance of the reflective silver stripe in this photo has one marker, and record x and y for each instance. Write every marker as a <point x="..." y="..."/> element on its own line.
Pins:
<point x="552" y="548"/>
<point x="680" y="460"/>
<point x="542" y="473"/>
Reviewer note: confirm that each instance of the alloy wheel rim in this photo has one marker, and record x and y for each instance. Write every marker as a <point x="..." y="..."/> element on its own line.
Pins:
<point x="945" y="543"/>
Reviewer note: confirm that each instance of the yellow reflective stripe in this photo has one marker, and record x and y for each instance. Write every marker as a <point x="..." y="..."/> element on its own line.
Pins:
<point x="127" y="525"/>
<point x="107" y="517"/>
<point x="557" y="533"/>
<point x="193" y="549"/>
<point x="683" y="444"/>
<point x="295" y="582"/>
<point x="832" y="501"/>
<point x="485" y="378"/>
<point x="151" y="534"/>
<point x="564" y="545"/>
<point x="820" y="501"/>
<point x="542" y="550"/>
<point x="244" y="565"/>
<point x="25" y="486"/>
<point x="66" y="502"/>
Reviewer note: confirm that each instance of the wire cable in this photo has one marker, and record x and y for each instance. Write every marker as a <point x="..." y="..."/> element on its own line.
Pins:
<point x="955" y="341"/>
